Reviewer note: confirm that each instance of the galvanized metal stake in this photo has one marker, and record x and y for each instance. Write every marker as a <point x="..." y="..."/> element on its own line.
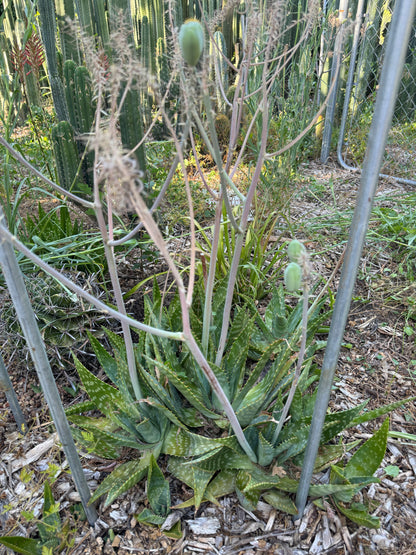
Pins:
<point x="7" y="387"/>
<point x="397" y="44"/>
<point x="24" y="311"/>
<point x="336" y="65"/>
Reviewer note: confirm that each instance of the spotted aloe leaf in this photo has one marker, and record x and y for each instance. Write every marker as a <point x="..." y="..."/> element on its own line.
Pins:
<point x="268" y="354"/>
<point x="222" y="458"/>
<point x="265" y="451"/>
<point x="222" y="484"/>
<point x="104" y="435"/>
<point x="331" y="454"/>
<point x="158" y="492"/>
<point x="257" y="479"/>
<point x="107" y="362"/>
<point x="368" y="458"/>
<point x="280" y="501"/>
<point x="380" y="411"/>
<point x="149" y="517"/>
<point x="248" y="498"/>
<point x="170" y="415"/>
<point x="124" y="477"/>
<point x="297" y="437"/>
<point x="80" y="407"/>
<point x="188" y="389"/>
<point x="344" y="491"/>
<point x="181" y="443"/>
<point x="359" y="515"/>
<point x="354" y="484"/>
<point x="106" y="398"/>
<point x="26" y="546"/>
<point x="253" y="403"/>
<point x="339" y="421"/>
<point x="164" y="399"/>
<point x="275" y="314"/>
<point x="236" y="358"/>
<point x="193" y="476"/>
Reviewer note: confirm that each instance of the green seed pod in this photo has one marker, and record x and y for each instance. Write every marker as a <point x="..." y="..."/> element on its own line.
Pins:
<point x="293" y="276"/>
<point x="295" y="250"/>
<point x="191" y="41"/>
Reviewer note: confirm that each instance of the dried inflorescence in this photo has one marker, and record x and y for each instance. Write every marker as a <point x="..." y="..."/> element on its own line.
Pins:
<point x="115" y="169"/>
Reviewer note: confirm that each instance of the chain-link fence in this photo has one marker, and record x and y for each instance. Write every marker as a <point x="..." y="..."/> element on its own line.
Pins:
<point x="366" y="57"/>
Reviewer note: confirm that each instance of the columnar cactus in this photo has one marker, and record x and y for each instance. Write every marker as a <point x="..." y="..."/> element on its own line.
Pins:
<point x="66" y="153"/>
<point x="220" y="68"/>
<point x="84" y="15"/>
<point x="100" y="23"/>
<point x="47" y="19"/>
<point x="85" y="103"/>
<point x="131" y="127"/>
<point x="69" y="47"/>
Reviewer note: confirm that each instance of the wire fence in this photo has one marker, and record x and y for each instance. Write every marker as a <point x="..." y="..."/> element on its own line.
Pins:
<point x="366" y="56"/>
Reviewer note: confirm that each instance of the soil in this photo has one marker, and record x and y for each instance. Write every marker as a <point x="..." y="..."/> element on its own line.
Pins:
<point x="375" y="365"/>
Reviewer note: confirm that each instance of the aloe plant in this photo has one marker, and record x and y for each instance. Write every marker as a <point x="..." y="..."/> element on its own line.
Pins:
<point x="172" y="419"/>
<point x="210" y="382"/>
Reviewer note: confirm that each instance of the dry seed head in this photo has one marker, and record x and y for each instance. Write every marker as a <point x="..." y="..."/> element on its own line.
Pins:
<point x="219" y="16"/>
<point x="116" y="170"/>
<point x="275" y="18"/>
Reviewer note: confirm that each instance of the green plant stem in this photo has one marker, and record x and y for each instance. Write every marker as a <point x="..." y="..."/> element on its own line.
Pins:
<point x="301" y="357"/>
<point x="209" y="288"/>
<point x="112" y="268"/>
<point x="240" y="238"/>
<point x="155" y="234"/>
<point x="17" y="156"/>
<point x="218" y="161"/>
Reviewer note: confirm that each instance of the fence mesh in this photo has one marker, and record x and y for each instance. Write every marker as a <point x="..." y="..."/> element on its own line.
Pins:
<point x="366" y="59"/>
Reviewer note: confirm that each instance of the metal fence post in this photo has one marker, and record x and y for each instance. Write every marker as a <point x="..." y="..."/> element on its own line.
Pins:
<point x="21" y="302"/>
<point x="383" y="114"/>
<point x="358" y="100"/>
<point x="7" y="387"/>
<point x="336" y="64"/>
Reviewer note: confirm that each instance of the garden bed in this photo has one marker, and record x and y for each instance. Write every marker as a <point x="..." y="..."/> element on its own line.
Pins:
<point x="376" y="364"/>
